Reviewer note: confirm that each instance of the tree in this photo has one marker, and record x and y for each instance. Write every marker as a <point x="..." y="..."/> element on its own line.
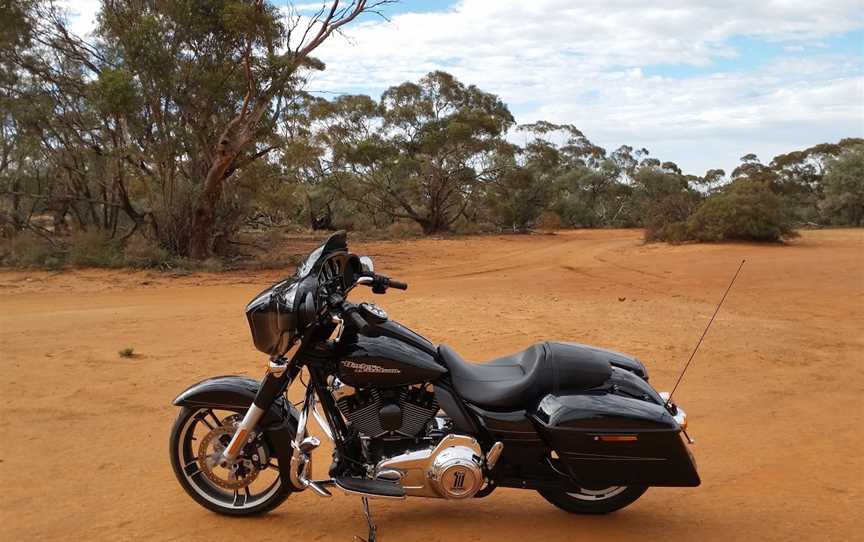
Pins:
<point x="747" y="210"/>
<point x="168" y="102"/>
<point x="432" y="153"/>
<point x="844" y="188"/>
<point x="244" y="65"/>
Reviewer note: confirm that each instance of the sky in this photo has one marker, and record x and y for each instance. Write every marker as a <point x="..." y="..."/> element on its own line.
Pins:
<point x="697" y="83"/>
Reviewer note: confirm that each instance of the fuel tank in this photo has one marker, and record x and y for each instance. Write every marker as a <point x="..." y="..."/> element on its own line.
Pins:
<point x="389" y="357"/>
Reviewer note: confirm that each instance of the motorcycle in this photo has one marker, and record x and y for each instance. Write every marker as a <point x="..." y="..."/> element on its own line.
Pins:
<point x="578" y="424"/>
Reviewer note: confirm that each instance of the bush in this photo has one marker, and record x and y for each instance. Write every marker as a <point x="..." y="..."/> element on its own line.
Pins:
<point x="549" y="221"/>
<point x="94" y="248"/>
<point x="144" y="253"/>
<point x="27" y="249"/>
<point x="404" y="230"/>
<point x="745" y="210"/>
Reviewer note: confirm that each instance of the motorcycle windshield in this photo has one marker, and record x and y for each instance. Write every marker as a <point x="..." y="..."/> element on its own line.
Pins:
<point x="334" y="243"/>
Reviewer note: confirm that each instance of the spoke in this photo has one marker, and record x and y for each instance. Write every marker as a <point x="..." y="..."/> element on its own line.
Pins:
<point x="191" y="468"/>
<point x="205" y="422"/>
<point x="218" y="423"/>
<point x="239" y="500"/>
<point x="248" y="493"/>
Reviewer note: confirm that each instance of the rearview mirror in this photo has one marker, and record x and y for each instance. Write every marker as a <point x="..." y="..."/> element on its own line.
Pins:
<point x="366" y="265"/>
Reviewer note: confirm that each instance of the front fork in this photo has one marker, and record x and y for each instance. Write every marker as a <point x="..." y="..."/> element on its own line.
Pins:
<point x="278" y="378"/>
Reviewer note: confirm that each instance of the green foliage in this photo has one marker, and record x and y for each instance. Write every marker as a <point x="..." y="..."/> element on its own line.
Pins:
<point x="181" y="123"/>
<point x="844" y="188"/>
<point x="745" y="210"/>
<point x="664" y="200"/>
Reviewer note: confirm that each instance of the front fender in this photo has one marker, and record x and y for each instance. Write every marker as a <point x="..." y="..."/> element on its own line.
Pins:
<point x="237" y="393"/>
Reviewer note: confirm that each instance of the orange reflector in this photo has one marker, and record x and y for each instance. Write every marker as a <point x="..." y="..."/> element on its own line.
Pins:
<point x="238" y="442"/>
<point x="616" y="438"/>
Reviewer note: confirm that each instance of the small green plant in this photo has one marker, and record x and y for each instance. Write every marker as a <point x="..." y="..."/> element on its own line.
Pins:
<point x="127" y="352"/>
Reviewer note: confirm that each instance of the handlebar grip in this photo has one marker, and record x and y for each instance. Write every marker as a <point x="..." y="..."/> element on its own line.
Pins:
<point x="398" y="285"/>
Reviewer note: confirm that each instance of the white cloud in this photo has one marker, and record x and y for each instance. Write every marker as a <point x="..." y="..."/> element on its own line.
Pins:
<point x="586" y="63"/>
<point x="583" y="63"/>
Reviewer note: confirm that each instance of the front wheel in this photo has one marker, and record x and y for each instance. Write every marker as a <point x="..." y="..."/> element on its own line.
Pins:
<point x="250" y="486"/>
<point x="593" y="501"/>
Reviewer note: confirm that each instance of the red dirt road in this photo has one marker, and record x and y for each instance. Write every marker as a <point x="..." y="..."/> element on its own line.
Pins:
<point x="775" y="398"/>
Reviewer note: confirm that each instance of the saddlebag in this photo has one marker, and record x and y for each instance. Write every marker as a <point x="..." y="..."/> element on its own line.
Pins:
<point x="602" y="439"/>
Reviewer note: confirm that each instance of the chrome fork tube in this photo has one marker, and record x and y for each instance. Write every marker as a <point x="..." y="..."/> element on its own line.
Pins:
<point x="244" y="430"/>
<point x="275" y="381"/>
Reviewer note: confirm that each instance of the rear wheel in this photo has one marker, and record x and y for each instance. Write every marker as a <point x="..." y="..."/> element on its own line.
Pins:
<point x="594" y="501"/>
<point x="250" y="486"/>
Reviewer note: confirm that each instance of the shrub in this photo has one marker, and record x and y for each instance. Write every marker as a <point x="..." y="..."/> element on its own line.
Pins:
<point x="404" y="230"/>
<point x="29" y="250"/>
<point x="745" y="210"/>
<point x="94" y="248"/>
<point x="144" y="253"/>
<point x="549" y="221"/>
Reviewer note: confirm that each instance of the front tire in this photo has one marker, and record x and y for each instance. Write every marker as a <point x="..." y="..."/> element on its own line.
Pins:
<point x="186" y="433"/>
<point x="593" y="501"/>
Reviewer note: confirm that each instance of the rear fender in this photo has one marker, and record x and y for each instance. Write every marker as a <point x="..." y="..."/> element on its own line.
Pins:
<point x="237" y="393"/>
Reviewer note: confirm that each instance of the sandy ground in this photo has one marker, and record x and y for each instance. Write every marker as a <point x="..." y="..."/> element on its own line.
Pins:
<point x="775" y="396"/>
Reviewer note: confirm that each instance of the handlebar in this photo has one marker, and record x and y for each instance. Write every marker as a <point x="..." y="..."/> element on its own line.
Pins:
<point x="397" y="284"/>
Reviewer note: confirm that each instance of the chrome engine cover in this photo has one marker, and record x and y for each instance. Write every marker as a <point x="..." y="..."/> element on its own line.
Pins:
<point x="451" y="470"/>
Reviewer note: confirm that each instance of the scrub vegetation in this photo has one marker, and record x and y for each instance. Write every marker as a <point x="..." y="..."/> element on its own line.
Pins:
<point x="180" y="133"/>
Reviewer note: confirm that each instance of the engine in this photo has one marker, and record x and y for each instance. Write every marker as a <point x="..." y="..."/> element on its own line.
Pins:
<point x="453" y="469"/>
<point x="393" y="412"/>
<point x="401" y="440"/>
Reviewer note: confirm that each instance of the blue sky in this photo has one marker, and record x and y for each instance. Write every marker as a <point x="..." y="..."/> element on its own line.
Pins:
<point x="698" y="83"/>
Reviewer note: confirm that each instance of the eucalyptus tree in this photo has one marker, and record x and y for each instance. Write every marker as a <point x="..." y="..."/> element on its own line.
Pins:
<point x="443" y="136"/>
<point x="166" y="102"/>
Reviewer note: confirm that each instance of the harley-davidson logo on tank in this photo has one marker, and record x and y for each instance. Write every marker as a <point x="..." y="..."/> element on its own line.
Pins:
<point x="369" y="368"/>
<point x="363" y="372"/>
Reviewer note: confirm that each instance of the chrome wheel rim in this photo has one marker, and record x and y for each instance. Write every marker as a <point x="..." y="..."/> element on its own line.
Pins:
<point x="585" y="494"/>
<point x="260" y="488"/>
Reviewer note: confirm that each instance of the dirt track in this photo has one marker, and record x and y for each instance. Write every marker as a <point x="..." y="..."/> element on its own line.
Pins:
<point x="775" y="397"/>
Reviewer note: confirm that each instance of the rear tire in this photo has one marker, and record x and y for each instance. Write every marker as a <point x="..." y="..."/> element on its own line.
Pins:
<point x="593" y="501"/>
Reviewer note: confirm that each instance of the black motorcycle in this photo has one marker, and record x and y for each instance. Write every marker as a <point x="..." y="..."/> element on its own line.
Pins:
<point x="580" y="425"/>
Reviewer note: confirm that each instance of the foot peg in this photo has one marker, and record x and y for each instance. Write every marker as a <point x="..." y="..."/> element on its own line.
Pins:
<point x="308" y="444"/>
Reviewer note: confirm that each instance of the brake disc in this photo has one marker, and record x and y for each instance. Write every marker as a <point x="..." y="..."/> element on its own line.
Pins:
<point x="238" y="474"/>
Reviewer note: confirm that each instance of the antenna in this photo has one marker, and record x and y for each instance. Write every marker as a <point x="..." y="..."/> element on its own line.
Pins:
<point x="669" y="399"/>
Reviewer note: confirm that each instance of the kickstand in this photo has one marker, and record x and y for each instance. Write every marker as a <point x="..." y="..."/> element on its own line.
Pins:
<point x="369" y="521"/>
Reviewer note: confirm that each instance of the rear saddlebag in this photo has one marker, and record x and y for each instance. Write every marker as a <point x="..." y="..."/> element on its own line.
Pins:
<point x="604" y="439"/>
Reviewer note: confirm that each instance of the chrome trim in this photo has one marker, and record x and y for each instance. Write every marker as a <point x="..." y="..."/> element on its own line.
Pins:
<point x="322" y="422"/>
<point x="367" y="265"/>
<point x="250" y="420"/>
<point x="494" y="455"/>
<point x="418" y="468"/>
<point x="276" y="369"/>
<point x="301" y="462"/>
<point x="680" y="417"/>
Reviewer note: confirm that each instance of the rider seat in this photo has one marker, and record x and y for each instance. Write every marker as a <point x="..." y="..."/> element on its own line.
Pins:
<point x="514" y="382"/>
